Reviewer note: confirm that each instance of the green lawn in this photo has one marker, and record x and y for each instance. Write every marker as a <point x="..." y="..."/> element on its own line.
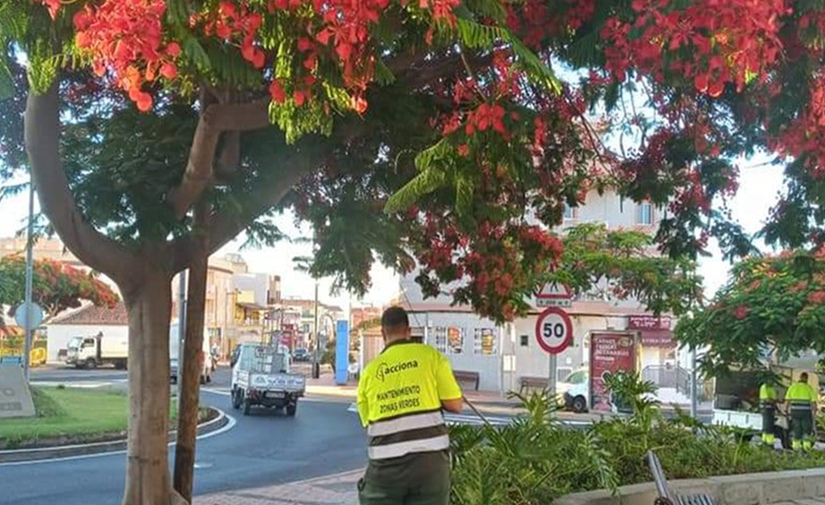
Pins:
<point x="74" y="413"/>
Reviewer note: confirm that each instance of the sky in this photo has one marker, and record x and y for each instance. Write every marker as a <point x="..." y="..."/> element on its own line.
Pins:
<point x="276" y="260"/>
<point x="758" y="192"/>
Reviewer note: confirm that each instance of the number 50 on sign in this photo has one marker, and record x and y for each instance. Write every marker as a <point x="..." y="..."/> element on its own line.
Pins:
<point x="554" y="330"/>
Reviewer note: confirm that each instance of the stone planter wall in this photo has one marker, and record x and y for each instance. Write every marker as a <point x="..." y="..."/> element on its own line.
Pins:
<point x="747" y="489"/>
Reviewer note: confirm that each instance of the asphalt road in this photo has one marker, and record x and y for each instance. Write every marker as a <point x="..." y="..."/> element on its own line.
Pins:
<point x="262" y="449"/>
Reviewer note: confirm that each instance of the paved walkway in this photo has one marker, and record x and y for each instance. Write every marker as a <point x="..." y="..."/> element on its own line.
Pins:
<point x="333" y="490"/>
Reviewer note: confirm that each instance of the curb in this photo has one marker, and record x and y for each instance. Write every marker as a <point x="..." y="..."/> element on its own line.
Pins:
<point x="67" y="451"/>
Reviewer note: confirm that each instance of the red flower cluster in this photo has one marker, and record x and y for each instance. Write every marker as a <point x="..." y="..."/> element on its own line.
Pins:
<point x="729" y="41"/>
<point x="233" y="23"/>
<point x="125" y="37"/>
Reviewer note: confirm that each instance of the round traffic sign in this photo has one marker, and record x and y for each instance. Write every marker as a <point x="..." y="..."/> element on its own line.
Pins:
<point x="36" y="316"/>
<point x="554" y="330"/>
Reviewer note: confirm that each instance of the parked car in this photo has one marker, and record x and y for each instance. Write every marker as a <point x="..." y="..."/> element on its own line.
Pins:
<point x="300" y="355"/>
<point x="575" y="389"/>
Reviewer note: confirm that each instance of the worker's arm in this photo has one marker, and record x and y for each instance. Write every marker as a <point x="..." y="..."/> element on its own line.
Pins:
<point x="455" y="406"/>
<point x="363" y="403"/>
<point x="449" y="392"/>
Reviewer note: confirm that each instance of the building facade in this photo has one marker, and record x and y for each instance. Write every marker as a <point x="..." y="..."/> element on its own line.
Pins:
<point x="502" y="357"/>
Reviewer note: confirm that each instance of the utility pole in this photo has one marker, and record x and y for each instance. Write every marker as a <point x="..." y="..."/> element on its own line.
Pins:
<point x="316" y="367"/>
<point x="181" y="328"/>
<point x="29" y="274"/>
<point x="693" y="386"/>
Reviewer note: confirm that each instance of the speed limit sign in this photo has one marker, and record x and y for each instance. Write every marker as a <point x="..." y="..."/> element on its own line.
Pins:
<point x="554" y="330"/>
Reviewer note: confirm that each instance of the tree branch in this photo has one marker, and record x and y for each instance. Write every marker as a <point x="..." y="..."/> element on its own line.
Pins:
<point x="215" y="120"/>
<point x="42" y="137"/>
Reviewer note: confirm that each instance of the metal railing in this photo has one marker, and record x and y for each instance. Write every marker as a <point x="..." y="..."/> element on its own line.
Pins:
<point x="668" y="377"/>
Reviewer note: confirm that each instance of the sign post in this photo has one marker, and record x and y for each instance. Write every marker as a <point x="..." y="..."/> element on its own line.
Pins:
<point x="29" y="316"/>
<point x="554" y="333"/>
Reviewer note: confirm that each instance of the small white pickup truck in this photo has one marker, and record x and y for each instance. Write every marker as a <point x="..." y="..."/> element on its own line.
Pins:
<point x="261" y="376"/>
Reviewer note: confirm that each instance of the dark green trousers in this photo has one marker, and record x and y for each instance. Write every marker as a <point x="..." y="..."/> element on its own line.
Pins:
<point x="803" y="426"/>
<point x="415" y="479"/>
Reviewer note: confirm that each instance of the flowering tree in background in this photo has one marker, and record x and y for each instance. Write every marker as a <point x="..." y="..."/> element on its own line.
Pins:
<point x="432" y="132"/>
<point x="770" y="305"/>
<point x="56" y="286"/>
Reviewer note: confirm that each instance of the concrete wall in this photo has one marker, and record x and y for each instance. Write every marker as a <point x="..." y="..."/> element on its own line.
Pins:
<point x="58" y="336"/>
<point x="747" y="489"/>
<point x="488" y="366"/>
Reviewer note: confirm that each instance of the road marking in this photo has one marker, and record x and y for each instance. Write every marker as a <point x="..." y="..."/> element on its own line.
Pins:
<point x="229" y="425"/>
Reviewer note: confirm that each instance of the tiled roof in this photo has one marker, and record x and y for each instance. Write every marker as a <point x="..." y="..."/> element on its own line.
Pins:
<point x="94" y="316"/>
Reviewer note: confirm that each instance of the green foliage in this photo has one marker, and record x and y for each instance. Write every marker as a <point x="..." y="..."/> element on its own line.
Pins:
<point x="537" y="459"/>
<point x="55" y="286"/>
<point x="479" y="36"/>
<point x="624" y="263"/>
<point x="768" y="304"/>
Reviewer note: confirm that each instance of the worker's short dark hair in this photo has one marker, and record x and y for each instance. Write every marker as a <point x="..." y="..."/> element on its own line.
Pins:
<point x="395" y="318"/>
<point x="803" y="376"/>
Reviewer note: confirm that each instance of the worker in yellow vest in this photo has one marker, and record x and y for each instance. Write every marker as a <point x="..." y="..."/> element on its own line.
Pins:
<point x="801" y="399"/>
<point x="767" y="400"/>
<point x="401" y="395"/>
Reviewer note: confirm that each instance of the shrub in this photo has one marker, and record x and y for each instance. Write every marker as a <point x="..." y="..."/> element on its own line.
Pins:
<point x="536" y="458"/>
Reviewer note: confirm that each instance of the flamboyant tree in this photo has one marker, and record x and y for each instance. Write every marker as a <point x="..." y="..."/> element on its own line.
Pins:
<point x="56" y="286"/>
<point x="157" y="130"/>
<point x="771" y="306"/>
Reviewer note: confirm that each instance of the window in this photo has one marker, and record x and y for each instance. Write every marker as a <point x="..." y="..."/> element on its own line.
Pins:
<point x="569" y="212"/>
<point x="484" y="341"/>
<point x="577" y="377"/>
<point x="525" y="340"/>
<point x="646" y="213"/>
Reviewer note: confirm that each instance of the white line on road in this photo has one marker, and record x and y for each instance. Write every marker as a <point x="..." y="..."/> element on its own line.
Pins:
<point x="231" y="422"/>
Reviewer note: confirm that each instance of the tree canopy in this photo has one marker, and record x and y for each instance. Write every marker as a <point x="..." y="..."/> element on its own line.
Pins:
<point x="770" y="306"/>
<point x="56" y="286"/>
<point x="446" y="115"/>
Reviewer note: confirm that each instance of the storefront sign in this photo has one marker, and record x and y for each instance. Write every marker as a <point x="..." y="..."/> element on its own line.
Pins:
<point x="657" y="338"/>
<point x="648" y="322"/>
<point x="609" y="353"/>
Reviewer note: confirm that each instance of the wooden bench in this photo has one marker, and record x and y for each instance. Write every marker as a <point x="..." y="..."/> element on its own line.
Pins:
<point x="528" y="383"/>
<point x="666" y="495"/>
<point x="467" y="377"/>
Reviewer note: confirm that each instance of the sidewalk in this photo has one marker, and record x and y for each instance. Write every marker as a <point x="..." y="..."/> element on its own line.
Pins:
<point x="340" y="489"/>
<point x="489" y="403"/>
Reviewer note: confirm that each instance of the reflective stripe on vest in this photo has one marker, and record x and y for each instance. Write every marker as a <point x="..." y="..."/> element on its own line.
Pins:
<point x="405" y="423"/>
<point x="398" y="449"/>
<point x="800" y="405"/>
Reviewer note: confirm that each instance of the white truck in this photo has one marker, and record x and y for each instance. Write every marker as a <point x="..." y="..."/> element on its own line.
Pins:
<point x="92" y="352"/>
<point x="261" y="376"/>
<point x="736" y="404"/>
<point x="205" y="361"/>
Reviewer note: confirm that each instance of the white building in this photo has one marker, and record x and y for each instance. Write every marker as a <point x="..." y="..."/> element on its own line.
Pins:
<point x="500" y="357"/>
<point x="86" y="321"/>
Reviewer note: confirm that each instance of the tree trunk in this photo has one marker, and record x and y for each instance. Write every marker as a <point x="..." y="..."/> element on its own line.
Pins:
<point x="149" y="306"/>
<point x="191" y="371"/>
